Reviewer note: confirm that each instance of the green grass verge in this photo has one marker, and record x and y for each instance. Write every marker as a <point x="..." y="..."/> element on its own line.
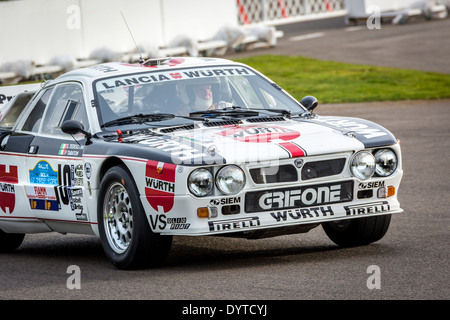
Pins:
<point x="335" y="82"/>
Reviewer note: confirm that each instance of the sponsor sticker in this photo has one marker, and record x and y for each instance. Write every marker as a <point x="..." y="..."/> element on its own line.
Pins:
<point x="260" y="134"/>
<point x="370" y="185"/>
<point x="369" y="133"/>
<point x="88" y="170"/>
<point x="8" y="178"/>
<point x="225" y="201"/>
<point x="162" y="222"/>
<point x="367" y="208"/>
<point x="233" y="224"/>
<point x="179" y="152"/>
<point x="158" y="77"/>
<point x="43" y="173"/>
<point x="160" y="185"/>
<point x="80" y="216"/>
<point x="267" y="134"/>
<point x="304" y="213"/>
<point x="69" y="149"/>
<point x="42" y="198"/>
<point x="298" y="197"/>
<point x="361" y="127"/>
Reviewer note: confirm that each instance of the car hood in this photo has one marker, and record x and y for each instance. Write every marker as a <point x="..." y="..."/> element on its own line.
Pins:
<point x="245" y="142"/>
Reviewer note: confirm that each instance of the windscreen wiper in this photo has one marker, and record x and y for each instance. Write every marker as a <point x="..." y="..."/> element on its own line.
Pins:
<point x="224" y="113"/>
<point x="237" y="111"/>
<point x="282" y="112"/>
<point x="140" y="118"/>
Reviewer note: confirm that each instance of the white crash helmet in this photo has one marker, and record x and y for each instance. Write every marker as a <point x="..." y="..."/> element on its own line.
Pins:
<point x="186" y="93"/>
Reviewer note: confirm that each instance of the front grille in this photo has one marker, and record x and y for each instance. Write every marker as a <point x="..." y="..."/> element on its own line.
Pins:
<point x="324" y="168"/>
<point x="289" y="173"/>
<point x="283" y="173"/>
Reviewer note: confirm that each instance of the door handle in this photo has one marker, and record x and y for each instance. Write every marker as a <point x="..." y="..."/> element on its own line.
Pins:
<point x="33" y="149"/>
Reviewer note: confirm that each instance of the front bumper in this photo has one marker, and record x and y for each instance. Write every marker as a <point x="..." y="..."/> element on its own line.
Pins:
<point x="278" y="208"/>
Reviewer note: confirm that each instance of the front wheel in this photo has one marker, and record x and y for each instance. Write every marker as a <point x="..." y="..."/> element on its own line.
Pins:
<point x="10" y="241"/>
<point x="126" y="237"/>
<point x="358" y="231"/>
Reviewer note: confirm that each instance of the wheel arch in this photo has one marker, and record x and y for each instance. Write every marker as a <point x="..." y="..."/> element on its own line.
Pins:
<point x="109" y="163"/>
<point x="115" y="161"/>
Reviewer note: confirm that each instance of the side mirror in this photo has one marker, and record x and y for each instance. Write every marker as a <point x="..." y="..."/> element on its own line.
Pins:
<point x="74" y="127"/>
<point x="309" y="102"/>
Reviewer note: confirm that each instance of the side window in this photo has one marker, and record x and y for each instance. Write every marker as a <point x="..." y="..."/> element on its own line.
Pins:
<point x="271" y="101"/>
<point x="66" y="104"/>
<point x="11" y="115"/>
<point x="34" y="118"/>
<point x="246" y="92"/>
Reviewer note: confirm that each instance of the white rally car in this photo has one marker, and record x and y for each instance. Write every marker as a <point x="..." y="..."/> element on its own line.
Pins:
<point x="139" y="153"/>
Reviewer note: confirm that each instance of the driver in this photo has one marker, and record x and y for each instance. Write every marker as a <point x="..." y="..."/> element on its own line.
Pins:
<point x="199" y="95"/>
<point x="203" y="98"/>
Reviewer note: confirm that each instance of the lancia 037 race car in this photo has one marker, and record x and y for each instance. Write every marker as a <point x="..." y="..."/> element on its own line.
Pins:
<point x="138" y="153"/>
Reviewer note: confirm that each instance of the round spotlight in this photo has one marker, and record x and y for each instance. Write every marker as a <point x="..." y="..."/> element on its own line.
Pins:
<point x="362" y="165"/>
<point x="386" y="162"/>
<point x="200" y="182"/>
<point x="230" y="180"/>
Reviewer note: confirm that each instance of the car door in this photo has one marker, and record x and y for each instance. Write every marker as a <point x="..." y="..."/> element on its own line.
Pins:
<point x="54" y="161"/>
<point x="14" y="147"/>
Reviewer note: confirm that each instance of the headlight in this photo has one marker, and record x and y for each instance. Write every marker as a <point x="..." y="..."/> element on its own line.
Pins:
<point x="230" y="180"/>
<point x="363" y="165"/>
<point x="200" y="182"/>
<point x="386" y="162"/>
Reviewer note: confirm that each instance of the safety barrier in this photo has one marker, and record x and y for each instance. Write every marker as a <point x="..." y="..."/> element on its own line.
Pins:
<point x="77" y="33"/>
<point x="397" y="12"/>
<point x="274" y="12"/>
<point x="51" y="36"/>
<point x="41" y="37"/>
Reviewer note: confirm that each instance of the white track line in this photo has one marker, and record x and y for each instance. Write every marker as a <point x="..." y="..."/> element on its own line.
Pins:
<point x="307" y="36"/>
<point x="356" y="28"/>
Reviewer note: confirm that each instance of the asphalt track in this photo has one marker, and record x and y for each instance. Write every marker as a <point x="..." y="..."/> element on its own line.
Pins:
<point x="418" y="44"/>
<point x="412" y="258"/>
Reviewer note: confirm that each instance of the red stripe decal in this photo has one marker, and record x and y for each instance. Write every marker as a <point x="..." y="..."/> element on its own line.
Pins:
<point x="293" y="149"/>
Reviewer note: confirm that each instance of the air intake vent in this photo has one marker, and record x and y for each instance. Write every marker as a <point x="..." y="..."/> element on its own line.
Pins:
<point x="221" y="123"/>
<point x="180" y="128"/>
<point x="268" y="119"/>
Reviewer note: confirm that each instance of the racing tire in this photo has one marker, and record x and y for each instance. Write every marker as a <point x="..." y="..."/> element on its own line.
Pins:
<point x="10" y="241"/>
<point x="125" y="233"/>
<point x="358" y="231"/>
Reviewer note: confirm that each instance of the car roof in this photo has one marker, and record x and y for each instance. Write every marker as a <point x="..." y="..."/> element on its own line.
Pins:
<point x="120" y="68"/>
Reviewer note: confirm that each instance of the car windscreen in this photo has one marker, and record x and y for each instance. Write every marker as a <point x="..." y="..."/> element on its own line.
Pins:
<point x="184" y="91"/>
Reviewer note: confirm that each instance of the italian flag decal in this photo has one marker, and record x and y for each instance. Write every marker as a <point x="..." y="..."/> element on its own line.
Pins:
<point x="63" y="149"/>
